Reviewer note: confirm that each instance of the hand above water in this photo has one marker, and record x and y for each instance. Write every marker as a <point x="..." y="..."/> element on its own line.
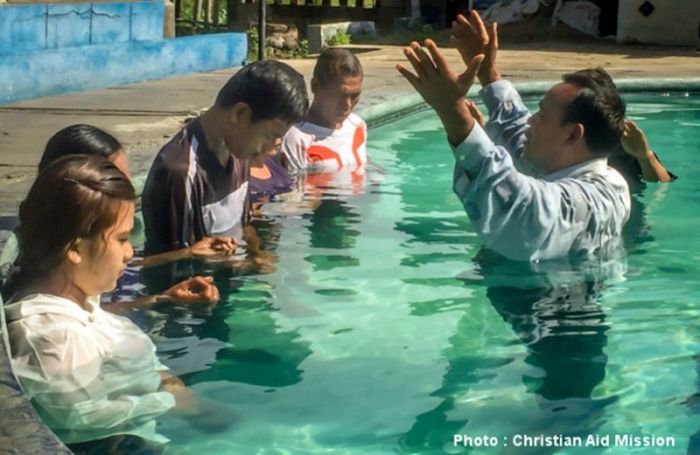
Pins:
<point x="471" y="37"/>
<point x="633" y="140"/>
<point x="476" y="113"/>
<point x="635" y="144"/>
<point x="441" y="87"/>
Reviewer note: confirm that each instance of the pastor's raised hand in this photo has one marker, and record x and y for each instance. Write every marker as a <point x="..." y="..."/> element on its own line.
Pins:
<point x="472" y="37"/>
<point x="436" y="82"/>
<point x="441" y="87"/>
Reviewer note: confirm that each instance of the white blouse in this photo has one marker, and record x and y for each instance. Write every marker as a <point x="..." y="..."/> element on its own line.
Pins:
<point x="90" y="374"/>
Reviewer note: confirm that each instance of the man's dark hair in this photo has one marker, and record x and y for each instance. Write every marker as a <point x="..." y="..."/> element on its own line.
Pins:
<point x="599" y="107"/>
<point x="272" y="90"/>
<point x="334" y="63"/>
<point x="79" y="140"/>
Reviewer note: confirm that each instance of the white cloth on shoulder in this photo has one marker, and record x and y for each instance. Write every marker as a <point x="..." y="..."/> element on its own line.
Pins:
<point x="89" y="374"/>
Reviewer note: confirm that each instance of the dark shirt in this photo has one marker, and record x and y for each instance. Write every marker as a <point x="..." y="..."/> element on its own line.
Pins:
<point x="629" y="167"/>
<point x="189" y="195"/>
<point x="278" y="183"/>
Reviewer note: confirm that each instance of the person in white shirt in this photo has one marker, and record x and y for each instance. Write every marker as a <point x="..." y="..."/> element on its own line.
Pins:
<point x="331" y="137"/>
<point x="91" y="375"/>
<point x="572" y="202"/>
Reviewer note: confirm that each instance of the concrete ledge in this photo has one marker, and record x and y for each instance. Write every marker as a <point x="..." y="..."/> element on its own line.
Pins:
<point x="319" y="35"/>
<point x="43" y="73"/>
<point x="382" y="113"/>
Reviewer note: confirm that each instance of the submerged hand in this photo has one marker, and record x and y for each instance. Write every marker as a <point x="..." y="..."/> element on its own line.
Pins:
<point x="195" y="290"/>
<point x="211" y="246"/>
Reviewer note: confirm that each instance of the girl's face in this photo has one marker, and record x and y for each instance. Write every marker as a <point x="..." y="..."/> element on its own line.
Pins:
<point x="103" y="258"/>
<point x="119" y="160"/>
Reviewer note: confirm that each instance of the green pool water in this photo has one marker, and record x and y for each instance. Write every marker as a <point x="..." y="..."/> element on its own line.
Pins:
<point x="384" y="329"/>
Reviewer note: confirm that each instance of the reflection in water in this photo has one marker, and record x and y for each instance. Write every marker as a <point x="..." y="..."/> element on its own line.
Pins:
<point x="561" y="324"/>
<point x="332" y="225"/>
<point x="552" y="307"/>
<point x="235" y="340"/>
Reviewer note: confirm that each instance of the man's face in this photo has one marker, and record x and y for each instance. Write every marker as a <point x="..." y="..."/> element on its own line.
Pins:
<point x="335" y="100"/>
<point x="548" y="136"/>
<point x="258" y="138"/>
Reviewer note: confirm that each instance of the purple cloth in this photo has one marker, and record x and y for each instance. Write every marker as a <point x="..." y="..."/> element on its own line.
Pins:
<point x="279" y="182"/>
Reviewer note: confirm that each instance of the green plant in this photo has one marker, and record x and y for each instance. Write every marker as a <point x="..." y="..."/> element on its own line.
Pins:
<point x="253" y="43"/>
<point x="341" y="38"/>
<point x="300" y="52"/>
<point x="253" y="40"/>
<point x="422" y="32"/>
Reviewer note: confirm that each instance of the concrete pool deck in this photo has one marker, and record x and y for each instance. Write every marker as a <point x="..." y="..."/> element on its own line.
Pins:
<point x="144" y="115"/>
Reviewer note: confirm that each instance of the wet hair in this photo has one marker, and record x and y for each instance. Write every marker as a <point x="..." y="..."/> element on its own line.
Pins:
<point x="75" y="197"/>
<point x="335" y="63"/>
<point x="599" y="107"/>
<point x="272" y="90"/>
<point x="79" y="140"/>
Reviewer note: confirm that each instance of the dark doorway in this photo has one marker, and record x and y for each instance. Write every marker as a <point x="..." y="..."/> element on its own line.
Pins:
<point x="608" y="17"/>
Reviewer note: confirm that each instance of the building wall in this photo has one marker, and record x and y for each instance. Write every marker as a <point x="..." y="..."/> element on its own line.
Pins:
<point x="53" y="26"/>
<point x="48" y="49"/>
<point x="672" y="22"/>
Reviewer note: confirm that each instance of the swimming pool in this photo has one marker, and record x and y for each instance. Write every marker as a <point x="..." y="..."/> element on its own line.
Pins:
<point x="384" y="329"/>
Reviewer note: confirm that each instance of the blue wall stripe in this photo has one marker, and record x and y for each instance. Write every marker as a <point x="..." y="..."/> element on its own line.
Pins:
<point x="34" y="74"/>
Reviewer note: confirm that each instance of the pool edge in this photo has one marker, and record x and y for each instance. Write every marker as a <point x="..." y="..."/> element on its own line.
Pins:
<point x="405" y="104"/>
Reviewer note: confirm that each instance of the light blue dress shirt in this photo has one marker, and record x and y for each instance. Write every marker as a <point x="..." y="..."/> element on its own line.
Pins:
<point x="524" y="217"/>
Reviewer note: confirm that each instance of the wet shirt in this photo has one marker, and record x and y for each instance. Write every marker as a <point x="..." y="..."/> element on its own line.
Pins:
<point x="8" y="255"/>
<point x="189" y="195"/>
<point x="89" y="374"/>
<point x="278" y="183"/>
<point x="578" y="209"/>
<point x="317" y="148"/>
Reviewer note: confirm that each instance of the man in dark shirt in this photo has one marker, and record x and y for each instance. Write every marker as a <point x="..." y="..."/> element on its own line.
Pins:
<point x="198" y="183"/>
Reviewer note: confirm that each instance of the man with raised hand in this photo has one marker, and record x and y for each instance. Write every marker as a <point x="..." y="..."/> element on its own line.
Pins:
<point x="579" y="204"/>
<point x="633" y="159"/>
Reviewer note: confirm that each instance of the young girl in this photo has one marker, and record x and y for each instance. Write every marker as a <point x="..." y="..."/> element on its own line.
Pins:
<point x="91" y="375"/>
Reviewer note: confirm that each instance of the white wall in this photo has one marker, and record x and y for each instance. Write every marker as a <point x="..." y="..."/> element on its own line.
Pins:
<point x="673" y="22"/>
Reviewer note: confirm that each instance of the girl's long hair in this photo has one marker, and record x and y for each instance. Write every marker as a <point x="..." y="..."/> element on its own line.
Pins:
<point x="73" y="197"/>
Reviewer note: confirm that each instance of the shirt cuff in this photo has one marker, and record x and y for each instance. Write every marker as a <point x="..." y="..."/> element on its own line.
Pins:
<point x="496" y="93"/>
<point x="473" y="150"/>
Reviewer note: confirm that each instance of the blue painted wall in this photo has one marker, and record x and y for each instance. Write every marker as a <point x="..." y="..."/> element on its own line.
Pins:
<point x="51" y="72"/>
<point x="55" y="48"/>
<point x="54" y="26"/>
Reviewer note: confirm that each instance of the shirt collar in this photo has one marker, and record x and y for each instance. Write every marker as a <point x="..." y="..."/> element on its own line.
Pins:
<point x="52" y="304"/>
<point x="596" y="166"/>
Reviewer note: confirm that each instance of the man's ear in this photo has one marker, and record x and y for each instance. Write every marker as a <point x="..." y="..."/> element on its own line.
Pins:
<point x="240" y="113"/>
<point x="576" y="133"/>
<point x="73" y="253"/>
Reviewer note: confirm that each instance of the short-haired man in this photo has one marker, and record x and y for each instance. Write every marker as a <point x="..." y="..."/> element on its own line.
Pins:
<point x="331" y="136"/>
<point x="198" y="183"/>
<point x="578" y="203"/>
